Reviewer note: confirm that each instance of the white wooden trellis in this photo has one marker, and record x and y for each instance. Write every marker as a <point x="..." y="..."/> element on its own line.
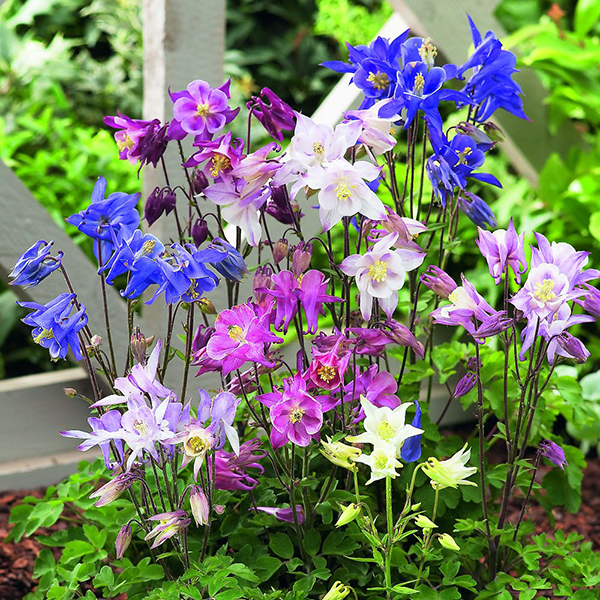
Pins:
<point x="185" y="40"/>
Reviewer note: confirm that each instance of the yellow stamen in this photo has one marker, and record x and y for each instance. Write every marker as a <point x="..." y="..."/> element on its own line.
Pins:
<point x="147" y="247"/>
<point x="543" y="291"/>
<point x="141" y="427"/>
<point x="220" y="163"/>
<point x="193" y="290"/>
<point x="202" y="109"/>
<point x="45" y="334"/>
<point x="236" y="333"/>
<point x="196" y="444"/>
<point x="428" y="52"/>
<point x="296" y="415"/>
<point x="454" y="296"/>
<point x="343" y="191"/>
<point x="386" y="431"/>
<point x="326" y="374"/>
<point x="419" y="85"/>
<point x="380" y="81"/>
<point x="378" y="271"/>
<point x="125" y="143"/>
<point x="318" y="148"/>
<point x="381" y="460"/>
<point x="462" y="156"/>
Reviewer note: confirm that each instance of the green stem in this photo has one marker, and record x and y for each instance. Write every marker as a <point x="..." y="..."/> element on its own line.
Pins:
<point x="390" y="531"/>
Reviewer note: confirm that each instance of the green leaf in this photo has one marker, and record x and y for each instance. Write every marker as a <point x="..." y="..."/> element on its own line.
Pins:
<point x="76" y="549"/>
<point x="96" y="537"/>
<point x="586" y="15"/>
<point x="312" y="542"/>
<point x="106" y="578"/>
<point x="281" y="545"/>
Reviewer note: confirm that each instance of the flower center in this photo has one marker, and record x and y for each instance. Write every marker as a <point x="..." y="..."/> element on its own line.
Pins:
<point x="220" y="163"/>
<point x="428" y="52"/>
<point x="197" y="445"/>
<point x="125" y="143"/>
<point x="296" y="415"/>
<point x="386" y="431"/>
<point x="380" y="80"/>
<point x="147" y="247"/>
<point x="202" y="109"/>
<point x="318" y="148"/>
<point x="418" y="85"/>
<point x="44" y="334"/>
<point x="380" y="460"/>
<point x="462" y="156"/>
<point x="236" y="333"/>
<point x="378" y="271"/>
<point x="543" y="291"/>
<point x="326" y="373"/>
<point x="141" y="427"/>
<point x="193" y="291"/>
<point x="342" y="191"/>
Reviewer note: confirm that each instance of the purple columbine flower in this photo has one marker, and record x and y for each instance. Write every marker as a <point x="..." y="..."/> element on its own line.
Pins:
<point x="285" y="290"/>
<point x="573" y="347"/>
<point x="313" y="294"/>
<point x="403" y="336"/>
<point x="273" y="113"/>
<point x="295" y="414"/>
<point x="221" y="155"/>
<point x="169" y="524"/>
<point x="503" y="249"/>
<point x="379" y="388"/>
<point x="202" y="110"/>
<point x="493" y="325"/>
<point x="123" y="540"/>
<point x="114" y="488"/>
<point x="367" y="341"/>
<point x="55" y="327"/>
<point x="554" y="453"/>
<point x="438" y="281"/>
<point x="35" y="264"/>
<point x="201" y="337"/>
<point x="199" y="232"/>
<point x="231" y="470"/>
<point x="160" y="202"/>
<point x="464" y="385"/>
<point x="108" y="220"/>
<point x="240" y="336"/>
<point x="283" y="514"/>
<point x="591" y="300"/>
<point x="279" y="205"/>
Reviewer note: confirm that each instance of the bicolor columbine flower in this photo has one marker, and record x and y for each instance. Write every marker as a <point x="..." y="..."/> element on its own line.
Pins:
<point x="169" y="524"/>
<point x="385" y="426"/>
<point x="451" y="472"/>
<point x="343" y="191"/>
<point x="108" y="220"/>
<point x="376" y="131"/>
<point x="327" y="369"/>
<point x="295" y="414"/>
<point x="55" y="326"/>
<point x="382" y="461"/>
<point x="35" y="264"/>
<point x="503" y="249"/>
<point x="340" y="454"/>
<point x="199" y="505"/>
<point x="380" y="273"/>
<point x="240" y="336"/>
<point x="201" y="109"/>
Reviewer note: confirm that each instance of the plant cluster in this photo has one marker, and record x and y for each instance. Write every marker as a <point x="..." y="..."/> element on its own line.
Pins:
<point x="326" y="372"/>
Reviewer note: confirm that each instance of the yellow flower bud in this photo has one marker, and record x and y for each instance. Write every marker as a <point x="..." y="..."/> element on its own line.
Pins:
<point x="447" y="541"/>
<point x="348" y="515"/>
<point x="424" y="522"/>
<point x="340" y="454"/>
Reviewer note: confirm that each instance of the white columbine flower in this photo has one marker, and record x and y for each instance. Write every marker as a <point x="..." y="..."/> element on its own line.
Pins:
<point x="385" y="427"/>
<point x="451" y="472"/>
<point x="376" y="131"/>
<point x="343" y="191"/>
<point x="380" y="273"/>
<point x="382" y="461"/>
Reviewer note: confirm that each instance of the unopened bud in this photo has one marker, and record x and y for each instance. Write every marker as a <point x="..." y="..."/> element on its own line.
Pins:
<point x="447" y="541"/>
<point x="70" y="392"/>
<point x="199" y="182"/>
<point x="199" y="232"/>
<point x="493" y="132"/>
<point x="348" y="515"/>
<point x="219" y="509"/>
<point x="424" y="522"/>
<point x="201" y="337"/>
<point x="465" y="385"/>
<point x="438" y="281"/>
<point x="206" y="306"/>
<point x="199" y="505"/>
<point x="96" y="341"/>
<point x="123" y="540"/>
<point x="301" y="258"/>
<point x="280" y="250"/>
<point x="138" y="345"/>
<point x="573" y="347"/>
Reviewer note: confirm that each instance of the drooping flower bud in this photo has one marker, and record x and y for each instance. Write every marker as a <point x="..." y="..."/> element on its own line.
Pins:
<point x="447" y="541"/>
<point x="232" y="266"/>
<point x="591" y="301"/>
<point x="301" y="258"/>
<point x="278" y="206"/>
<point x="273" y="113"/>
<point x="493" y="131"/>
<point x="70" y="392"/>
<point x="464" y="385"/>
<point x="424" y="522"/>
<point x="494" y="325"/>
<point x="35" y="265"/>
<point x="139" y="344"/>
<point x="199" y="182"/>
<point x="199" y="232"/>
<point x="338" y="591"/>
<point x="554" y="453"/>
<point x="199" y="505"/>
<point x="113" y="489"/>
<point x="477" y="210"/>
<point x="573" y="346"/>
<point x="262" y="281"/>
<point x="340" y="454"/>
<point x="484" y="143"/>
<point x="348" y="515"/>
<point x="411" y="448"/>
<point x="206" y="306"/>
<point x="160" y="201"/>
<point x="403" y="336"/>
<point x="438" y="281"/>
<point x="201" y="337"/>
<point x="280" y="250"/>
<point x="123" y="540"/>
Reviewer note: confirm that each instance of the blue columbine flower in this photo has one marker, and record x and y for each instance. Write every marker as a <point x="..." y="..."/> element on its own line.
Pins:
<point x="375" y="67"/>
<point x="35" y="265"/>
<point x="109" y="220"/>
<point x="137" y="256"/>
<point x="491" y="85"/>
<point x="453" y="162"/>
<point x="477" y="210"/>
<point x="55" y="327"/>
<point x="231" y="265"/>
<point x="411" y="449"/>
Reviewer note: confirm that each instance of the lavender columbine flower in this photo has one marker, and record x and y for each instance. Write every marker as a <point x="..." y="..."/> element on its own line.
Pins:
<point x="169" y="524"/>
<point x="573" y="347"/>
<point x="438" y="281"/>
<point x="554" y="453"/>
<point x="35" y="264"/>
<point x="202" y="110"/>
<point x="220" y="411"/>
<point x="493" y="325"/>
<point x="55" y="327"/>
<point x="380" y="273"/>
<point x="503" y="249"/>
<point x="114" y="488"/>
<point x="108" y="220"/>
<point x="123" y="540"/>
<point x="283" y="514"/>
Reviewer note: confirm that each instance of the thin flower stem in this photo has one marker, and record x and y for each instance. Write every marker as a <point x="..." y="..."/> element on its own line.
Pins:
<point x="113" y="365"/>
<point x="188" y="349"/>
<point x="389" y="541"/>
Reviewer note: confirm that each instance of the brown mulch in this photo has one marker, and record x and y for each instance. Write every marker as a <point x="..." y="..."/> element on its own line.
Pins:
<point x="16" y="560"/>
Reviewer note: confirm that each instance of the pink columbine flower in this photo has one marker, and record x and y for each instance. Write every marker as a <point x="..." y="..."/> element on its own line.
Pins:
<point x="295" y="414"/>
<point x="503" y="249"/>
<point x="240" y="336"/>
<point x="380" y="273"/>
<point x="379" y="388"/>
<point x="202" y="110"/>
<point x="327" y="369"/>
<point x="231" y="470"/>
<point x="169" y="524"/>
<point x="221" y="155"/>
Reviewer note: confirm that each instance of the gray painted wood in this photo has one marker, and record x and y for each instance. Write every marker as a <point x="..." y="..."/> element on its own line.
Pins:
<point x="24" y="222"/>
<point x="527" y="145"/>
